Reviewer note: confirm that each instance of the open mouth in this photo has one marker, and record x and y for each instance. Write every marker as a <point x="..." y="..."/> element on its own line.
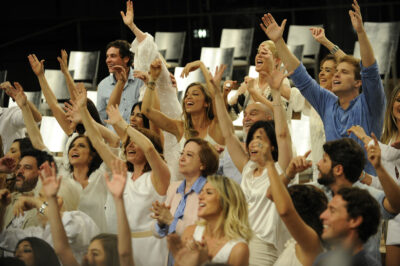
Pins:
<point x="75" y="156"/>
<point x="336" y="82"/>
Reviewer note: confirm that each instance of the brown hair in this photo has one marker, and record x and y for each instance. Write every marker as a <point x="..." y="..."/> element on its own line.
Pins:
<point x="187" y="118"/>
<point x="390" y="124"/>
<point x="354" y="62"/>
<point x="328" y="57"/>
<point x="208" y="156"/>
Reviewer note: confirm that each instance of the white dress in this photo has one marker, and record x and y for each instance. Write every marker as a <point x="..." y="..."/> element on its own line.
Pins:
<point x="138" y="197"/>
<point x="79" y="227"/>
<point x="288" y="256"/>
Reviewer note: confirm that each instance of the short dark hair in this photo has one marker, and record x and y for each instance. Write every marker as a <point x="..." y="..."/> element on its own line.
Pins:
<point x="309" y="202"/>
<point x="24" y="144"/>
<point x="80" y="128"/>
<point x="348" y="153"/>
<point x="40" y="156"/>
<point x="355" y="62"/>
<point x="124" y="49"/>
<point x="43" y="253"/>
<point x="360" y="203"/>
<point x="328" y="57"/>
<point x="269" y="128"/>
<point x="96" y="159"/>
<point x="110" y="246"/>
<point x="146" y="122"/>
<point x="208" y="156"/>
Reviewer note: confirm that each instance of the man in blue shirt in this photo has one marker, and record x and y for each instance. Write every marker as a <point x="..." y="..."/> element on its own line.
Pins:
<point x="118" y="54"/>
<point x="345" y="106"/>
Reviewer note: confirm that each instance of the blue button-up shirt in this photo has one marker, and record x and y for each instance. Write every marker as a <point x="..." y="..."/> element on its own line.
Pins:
<point x="129" y="97"/>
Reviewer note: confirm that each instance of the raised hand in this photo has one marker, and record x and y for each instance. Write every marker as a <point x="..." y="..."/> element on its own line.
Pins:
<point x="298" y="164"/>
<point x="120" y="73"/>
<point x="228" y="86"/>
<point x="117" y="185"/>
<point x="190" y="67"/>
<point x="318" y="34"/>
<point x="19" y="96"/>
<point x="5" y="197"/>
<point x="356" y="18"/>
<point x="72" y="112"/>
<point x="50" y="182"/>
<point x="25" y="203"/>
<point x="80" y="95"/>
<point x="261" y="150"/>
<point x="374" y="152"/>
<point x="219" y="71"/>
<point x="128" y="17"/>
<point x="155" y="69"/>
<point x="8" y="89"/>
<point x="161" y="213"/>
<point x="276" y="77"/>
<point x="36" y="65"/>
<point x="63" y="60"/>
<point x="271" y="28"/>
<point x="114" y="116"/>
<point x="144" y="76"/>
<point x="7" y="164"/>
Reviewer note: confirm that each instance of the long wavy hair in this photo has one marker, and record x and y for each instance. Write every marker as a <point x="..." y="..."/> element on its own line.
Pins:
<point x="187" y="118"/>
<point x="390" y="129"/>
<point x="234" y="220"/>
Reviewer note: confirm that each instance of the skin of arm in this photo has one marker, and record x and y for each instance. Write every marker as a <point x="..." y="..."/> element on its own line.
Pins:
<point x="128" y="21"/>
<point x="59" y="114"/>
<point x="121" y="76"/>
<point x="63" y="60"/>
<point x="5" y="200"/>
<point x="117" y="186"/>
<point x="160" y="176"/>
<point x="319" y="36"/>
<point x="239" y="255"/>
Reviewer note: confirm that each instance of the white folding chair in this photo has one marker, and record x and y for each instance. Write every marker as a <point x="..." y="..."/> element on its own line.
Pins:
<point x="85" y="66"/>
<point x="174" y="44"/>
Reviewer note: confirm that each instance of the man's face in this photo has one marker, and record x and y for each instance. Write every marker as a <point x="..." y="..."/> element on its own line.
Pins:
<point x="344" y="80"/>
<point x="325" y="176"/>
<point x="336" y="220"/>
<point x="27" y="174"/>
<point x="114" y="58"/>
<point x="254" y="112"/>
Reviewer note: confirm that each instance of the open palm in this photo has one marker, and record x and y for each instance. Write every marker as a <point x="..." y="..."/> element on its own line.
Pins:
<point x="271" y="28"/>
<point x="36" y="65"/>
<point x="128" y="16"/>
<point x="117" y="185"/>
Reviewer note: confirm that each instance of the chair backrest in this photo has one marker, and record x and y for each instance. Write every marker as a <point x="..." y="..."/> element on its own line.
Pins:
<point x="32" y="96"/>
<point x="240" y="39"/>
<point x="302" y="35"/>
<point x="213" y="57"/>
<point x="53" y="136"/>
<point x="173" y="43"/>
<point x="85" y="65"/>
<point x="183" y="83"/>
<point x="297" y="50"/>
<point x="57" y="83"/>
<point x="3" y="78"/>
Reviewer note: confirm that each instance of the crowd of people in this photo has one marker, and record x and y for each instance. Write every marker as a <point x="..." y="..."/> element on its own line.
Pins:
<point x="145" y="180"/>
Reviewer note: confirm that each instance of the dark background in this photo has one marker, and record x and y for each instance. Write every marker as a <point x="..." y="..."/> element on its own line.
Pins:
<point x="44" y="27"/>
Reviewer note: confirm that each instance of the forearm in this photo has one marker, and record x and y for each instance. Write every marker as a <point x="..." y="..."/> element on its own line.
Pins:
<point x="49" y="95"/>
<point x="124" y="234"/>
<point x="330" y="45"/>
<point x="116" y="94"/>
<point x="32" y="128"/>
<point x="289" y="60"/>
<point x="35" y="112"/>
<point x="224" y="119"/>
<point x="366" y="51"/>
<point x="208" y="78"/>
<point x="70" y="84"/>
<point x="257" y="97"/>
<point x="110" y="137"/>
<point x="140" y="35"/>
<point x="391" y="189"/>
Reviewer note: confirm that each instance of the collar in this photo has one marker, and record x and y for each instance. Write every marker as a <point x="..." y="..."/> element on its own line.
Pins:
<point x="130" y="77"/>
<point x="352" y="102"/>
<point x="196" y="187"/>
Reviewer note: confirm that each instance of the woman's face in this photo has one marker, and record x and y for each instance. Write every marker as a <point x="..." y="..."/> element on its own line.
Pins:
<point x="136" y="118"/>
<point x="95" y="255"/>
<point x="256" y="145"/>
<point x="396" y="107"/>
<point x="327" y="70"/>
<point x="24" y="252"/>
<point x="209" y="202"/>
<point x="195" y="100"/>
<point x="14" y="152"/>
<point x="79" y="152"/>
<point x="264" y="60"/>
<point x="134" y="154"/>
<point x="189" y="161"/>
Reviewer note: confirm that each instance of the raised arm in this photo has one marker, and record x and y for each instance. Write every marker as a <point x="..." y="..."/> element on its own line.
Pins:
<point x="38" y="68"/>
<point x="90" y="126"/>
<point x="63" y="60"/>
<point x="51" y="185"/>
<point x="117" y="186"/>
<point x="121" y="77"/>
<point x="366" y="51"/>
<point x="128" y="21"/>
<point x="391" y="189"/>
<point x="235" y="148"/>
<point x="319" y="36"/>
<point x="160" y="175"/>
<point x="31" y="126"/>
<point x="304" y="235"/>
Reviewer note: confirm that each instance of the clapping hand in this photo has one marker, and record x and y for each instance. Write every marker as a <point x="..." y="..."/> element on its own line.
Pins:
<point x="155" y="69"/>
<point x="144" y="76"/>
<point x="113" y="114"/>
<point x="120" y="73"/>
<point x="161" y="213"/>
<point x="50" y="182"/>
<point x="374" y="152"/>
<point x="276" y="77"/>
<point x="7" y="164"/>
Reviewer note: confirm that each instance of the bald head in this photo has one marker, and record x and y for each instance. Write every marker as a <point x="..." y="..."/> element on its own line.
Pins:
<point x="255" y="112"/>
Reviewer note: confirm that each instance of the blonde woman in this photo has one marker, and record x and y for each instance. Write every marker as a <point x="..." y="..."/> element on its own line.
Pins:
<point x="224" y="230"/>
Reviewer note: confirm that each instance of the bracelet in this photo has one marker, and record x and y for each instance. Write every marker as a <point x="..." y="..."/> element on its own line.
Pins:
<point x="334" y="49"/>
<point x="43" y="207"/>
<point x="362" y="177"/>
<point x="288" y="178"/>
<point x="151" y="85"/>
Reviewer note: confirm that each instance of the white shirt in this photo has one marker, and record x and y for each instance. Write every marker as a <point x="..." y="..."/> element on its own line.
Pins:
<point x="263" y="216"/>
<point x="11" y="126"/>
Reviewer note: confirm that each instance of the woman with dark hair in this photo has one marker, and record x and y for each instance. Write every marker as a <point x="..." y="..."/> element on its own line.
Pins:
<point x="269" y="233"/>
<point x="148" y="182"/>
<point x="34" y="251"/>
